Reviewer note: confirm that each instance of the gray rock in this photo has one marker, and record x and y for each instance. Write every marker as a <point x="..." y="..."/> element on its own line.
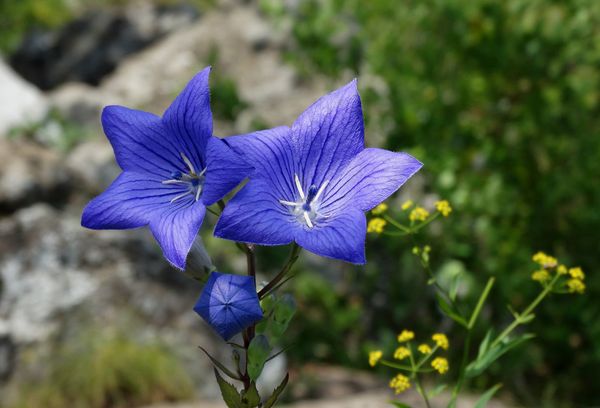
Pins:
<point x="30" y="173"/>
<point x="20" y="102"/>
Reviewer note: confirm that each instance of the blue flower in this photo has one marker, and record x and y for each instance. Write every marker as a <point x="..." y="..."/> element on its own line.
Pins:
<point x="229" y="303"/>
<point x="313" y="182"/>
<point x="172" y="169"/>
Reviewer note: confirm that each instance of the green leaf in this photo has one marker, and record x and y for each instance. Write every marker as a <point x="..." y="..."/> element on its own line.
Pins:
<point x="270" y="402"/>
<point x="483" y="347"/>
<point x="485" y="398"/>
<point x="220" y="366"/>
<point x="400" y="404"/>
<point x="437" y="390"/>
<point x="282" y="315"/>
<point x="230" y="395"/>
<point x="448" y="311"/>
<point x="250" y="398"/>
<point x="258" y="353"/>
<point x="454" y="285"/>
<point x="484" y="361"/>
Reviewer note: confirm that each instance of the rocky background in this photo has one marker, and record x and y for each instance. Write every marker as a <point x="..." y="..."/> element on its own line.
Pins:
<point x="60" y="282"/>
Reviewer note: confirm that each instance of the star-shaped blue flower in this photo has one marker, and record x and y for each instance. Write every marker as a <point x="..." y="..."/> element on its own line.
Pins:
<point x="229" y="303"/>
<point x="172" y="169"/>
<point x="313" y="182"/>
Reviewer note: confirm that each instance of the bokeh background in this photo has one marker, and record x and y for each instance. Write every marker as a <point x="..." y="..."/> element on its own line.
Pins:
<point x="499" y="99"/>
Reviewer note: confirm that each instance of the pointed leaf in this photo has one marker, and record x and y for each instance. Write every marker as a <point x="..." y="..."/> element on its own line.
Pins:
<point x="229" y="392"/>
<point x="483" y="347"/>
<point x="276" y="393"/>
<point x="485" y="398"/>
<point x="220" y="366"/>
<point x="250" y="398"/>
<point x="448" y="311"/>
<point x="437" y="390"/>
<point x="483" y="362"/>
<point x="258" y="353"/>
<point x="399" y="404"/>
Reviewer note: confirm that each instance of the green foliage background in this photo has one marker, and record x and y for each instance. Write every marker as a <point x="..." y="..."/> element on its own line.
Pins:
<point x="500" y="100"/>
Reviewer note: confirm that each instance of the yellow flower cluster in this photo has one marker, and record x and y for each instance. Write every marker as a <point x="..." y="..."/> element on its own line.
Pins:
<point x="575" y="284"/>
<point x="546" y="261"/>
<point x="406" y="205"/>
<point x="376" y="225"/>
<point x="440" y="364"/>
<point x="418" y="214"/>
<point x="374" y="357"/>
<point x="380" y="209"/>
<point x="540" y="276"/>
<point x="441" y="340"/>
<point x="400" y="383"/>
<point x="444" y="208"/>
<point x="406" y="335"/>
<point x="401" y="353"/>
<point x="549" y="264"/>
<point x="424" y="348"/>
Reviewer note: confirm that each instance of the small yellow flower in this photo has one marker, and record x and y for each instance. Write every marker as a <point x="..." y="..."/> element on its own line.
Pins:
<point x="544" y="260"/>
<point x="418" y="214"/>
<point x="427" y="249"/>
<point x="380" y="209"/>
<point x="443" y="206"/>
<point x="440" y="364"/>
<point x="561" y="270"/>
<point x="407" y="204"/>
<point x="441" y="340"/>
<point x="374" y="357"/>
<point x="540" y="276"/>
<point x="576" y="273"/>
<point x="576" y="286"/>
<point x="400" y="383"/>
<point x="401" y="353"/>
<point x="416" y="250"/>
<point x="376" y="225"/>
<point x="406" y="335"/>
<point x="424" y="348"/>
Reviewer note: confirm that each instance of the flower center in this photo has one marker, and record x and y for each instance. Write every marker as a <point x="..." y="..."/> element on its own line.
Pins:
<point x="306" y="208"/>
<point x="190" y="182"/>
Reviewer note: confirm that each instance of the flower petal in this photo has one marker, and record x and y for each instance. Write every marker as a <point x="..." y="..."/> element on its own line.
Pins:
<point x="141" y="142"/>
<point x="254" y="215"/>
<point x="328" y="135"/>
<point x="189" y="118"/>
<point x="340" y="237"/>
<point x="270" y="152"/>
<point x="369" y="179"/>
<point x="129" y="202"/>
<point x="176" y="228"/>
<point x="225" y="169"/>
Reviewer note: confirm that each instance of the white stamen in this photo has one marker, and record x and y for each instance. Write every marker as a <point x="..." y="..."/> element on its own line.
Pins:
<point x="202" y="172"/>
<point x="291" y="204"/>
<point x="198" y="190"/>
<point x="320" y="190"/>
<point x="173" y="181"/>
<point x="180" y="196"/>
<point x="188" y="163"/>
<point x="308" y="221"/>
<point x="299" y="187"/>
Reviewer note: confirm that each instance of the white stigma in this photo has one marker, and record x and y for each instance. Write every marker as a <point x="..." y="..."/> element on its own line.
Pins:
<point x="306" y="208"/>
<point x="192" y="181"/>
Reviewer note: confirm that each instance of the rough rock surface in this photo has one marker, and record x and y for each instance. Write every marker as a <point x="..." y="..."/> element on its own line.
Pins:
<point x="20" y="102"/>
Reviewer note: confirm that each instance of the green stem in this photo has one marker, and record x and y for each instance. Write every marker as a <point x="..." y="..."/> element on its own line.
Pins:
<point x="465" y="357"/>
<point x="415" y="373"/>
<point x="396" y="224"/>
<point x="249" y="333"/>
<point x="425" y="223"/>
<point x="294" y="253"/>
<point x="526" y="312"/>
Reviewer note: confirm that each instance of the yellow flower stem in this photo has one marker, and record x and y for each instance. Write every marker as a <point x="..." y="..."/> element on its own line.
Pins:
<point x="424" y="223"/>
<point x="415" y="375"/>
<point x="405" y="367"/>
<point x="396" y="224"/>
<point x="427" y="357"/>
<point x="526" y="313"/>
<point x="396" y="234"/>
<point x="467" y="345"/>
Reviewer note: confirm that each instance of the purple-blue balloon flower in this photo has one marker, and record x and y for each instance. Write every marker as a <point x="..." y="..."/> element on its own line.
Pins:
<point x="172" y="169"/>
<point x="229" y="303"/>
<point x="313" y="182"/>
